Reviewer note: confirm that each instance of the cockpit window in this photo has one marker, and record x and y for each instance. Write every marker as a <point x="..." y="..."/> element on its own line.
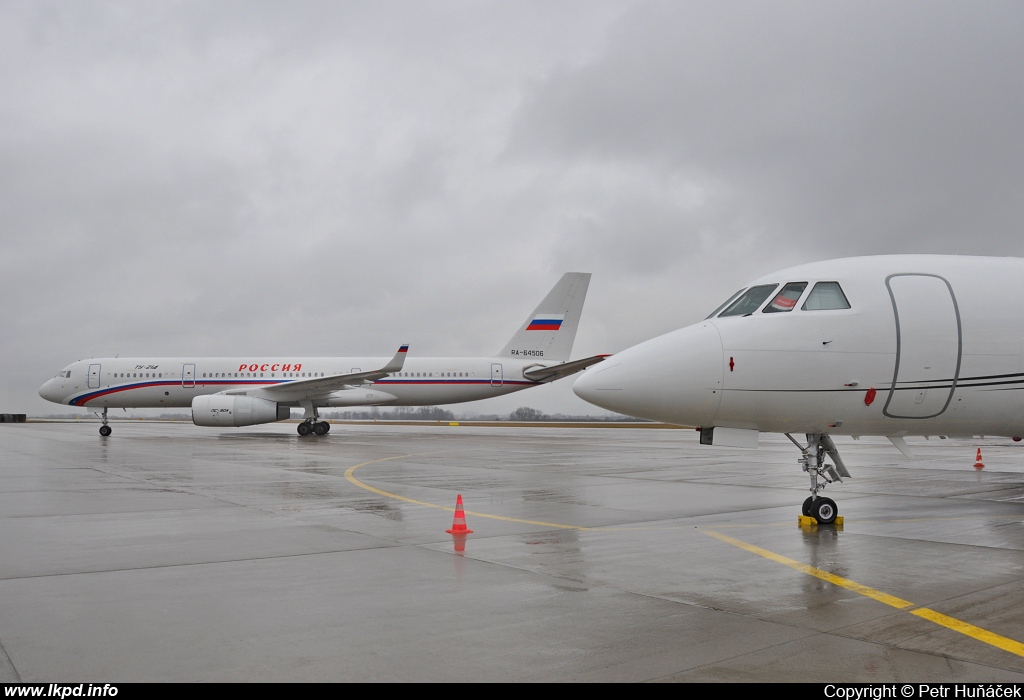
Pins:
<point x="786" y="299"/>
<point x="749" y="301"/>
<point x="826" y="296"/>
<point x="724" y="304"/>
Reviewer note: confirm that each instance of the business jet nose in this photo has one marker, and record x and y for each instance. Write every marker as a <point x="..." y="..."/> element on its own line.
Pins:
<point x="675" y="378"/>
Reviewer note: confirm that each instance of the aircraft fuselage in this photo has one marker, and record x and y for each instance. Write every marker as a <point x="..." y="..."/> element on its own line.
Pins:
<point x="930" y="345"/>
<point x="173" y="382"/>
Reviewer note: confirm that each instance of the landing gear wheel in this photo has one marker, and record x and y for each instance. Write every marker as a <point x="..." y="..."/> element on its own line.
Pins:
<point x="805" y="509"/>
<point x="304" y="429"/>
<point x="105" y="430"/>
<point x="321" y="428"/>
<point x="824" y="511"/>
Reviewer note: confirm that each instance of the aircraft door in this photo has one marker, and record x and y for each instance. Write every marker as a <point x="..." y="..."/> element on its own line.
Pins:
<point x="94" y="376"/>
<point x="188" y="376"/>
<point x="929" y="344"/>
<point x="496" y="375"/>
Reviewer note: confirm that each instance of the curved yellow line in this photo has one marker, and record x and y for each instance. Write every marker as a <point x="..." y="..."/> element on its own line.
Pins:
<point x="349" y="474"/>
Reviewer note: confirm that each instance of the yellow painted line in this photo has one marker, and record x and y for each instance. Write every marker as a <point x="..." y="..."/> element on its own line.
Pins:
<point x="817" y="573"/>
<point x="350" y="472"/>
<point x="965" y="628"/>
<point x="982" y="635"/>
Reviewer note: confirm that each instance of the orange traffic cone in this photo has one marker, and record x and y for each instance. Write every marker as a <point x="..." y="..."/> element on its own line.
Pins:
<point x="978" y="464"/>
<point x="459" y="523"/>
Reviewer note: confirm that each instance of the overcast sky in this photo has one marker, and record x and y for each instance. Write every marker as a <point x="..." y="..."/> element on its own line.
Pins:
<point x="334" y="178"/>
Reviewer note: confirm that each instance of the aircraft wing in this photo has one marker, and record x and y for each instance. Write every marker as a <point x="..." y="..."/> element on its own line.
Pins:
<point x="298" y="389"/>
<point x="544" y="375"/>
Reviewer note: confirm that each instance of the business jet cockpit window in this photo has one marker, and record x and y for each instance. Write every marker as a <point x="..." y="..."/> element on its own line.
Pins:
<point x="786" y="299"/>
<point x="826" y="296"/>
<point x="749" y="301"/>
<point x="724" y="304"/>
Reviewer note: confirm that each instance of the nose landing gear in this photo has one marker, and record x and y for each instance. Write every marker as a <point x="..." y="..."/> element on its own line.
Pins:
<point x="105" y="429"/>
<point x="812" y="459"/>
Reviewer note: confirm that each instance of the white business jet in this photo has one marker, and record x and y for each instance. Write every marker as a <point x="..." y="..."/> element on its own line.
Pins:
<point x="889" y="345"/>
<point x="238" y="391"/>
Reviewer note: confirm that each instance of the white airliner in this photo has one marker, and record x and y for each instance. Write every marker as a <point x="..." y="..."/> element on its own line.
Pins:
<point x="889" y="345"/>
<point x="237" y="391"/>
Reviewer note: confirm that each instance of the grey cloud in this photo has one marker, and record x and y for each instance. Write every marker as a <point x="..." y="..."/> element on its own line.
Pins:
<point x="849" y="128"/>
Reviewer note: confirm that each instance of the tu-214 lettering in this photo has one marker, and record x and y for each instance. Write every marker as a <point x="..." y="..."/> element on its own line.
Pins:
<point x="527" y="353"/>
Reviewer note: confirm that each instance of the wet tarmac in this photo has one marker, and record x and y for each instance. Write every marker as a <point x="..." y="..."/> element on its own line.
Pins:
<point x="169" y="552"/>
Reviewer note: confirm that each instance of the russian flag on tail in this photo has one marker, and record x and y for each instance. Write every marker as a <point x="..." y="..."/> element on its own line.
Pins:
<point x="546" y="322"/>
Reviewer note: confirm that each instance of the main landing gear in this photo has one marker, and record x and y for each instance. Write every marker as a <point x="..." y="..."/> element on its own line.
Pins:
<point x="311" y="423"/>
<point x="812" y="459"/>
<point x="105" y="430"/>
<point x="313" y="427"/>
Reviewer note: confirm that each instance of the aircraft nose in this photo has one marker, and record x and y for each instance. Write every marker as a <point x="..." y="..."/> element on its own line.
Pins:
<point x="675" y="378"/>
<point x="599" y="388"/>
<point x="49" y="391"/>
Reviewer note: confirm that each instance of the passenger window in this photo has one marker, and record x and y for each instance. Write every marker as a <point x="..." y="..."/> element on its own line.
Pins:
<point x="826" y="296"/>
<point x="749" y="301"/>
<point x="786" y="299"/>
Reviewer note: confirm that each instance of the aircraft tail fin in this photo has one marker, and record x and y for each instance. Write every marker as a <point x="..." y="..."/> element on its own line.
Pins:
<point x="548" y="333"/>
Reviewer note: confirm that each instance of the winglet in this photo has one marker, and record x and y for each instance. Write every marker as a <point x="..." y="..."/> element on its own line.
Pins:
<point x="397" y="362"/>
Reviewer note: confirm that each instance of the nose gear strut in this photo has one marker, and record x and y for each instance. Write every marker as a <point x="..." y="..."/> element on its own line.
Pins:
<point x="812" y="460"/>
<point x="105" y="429"/>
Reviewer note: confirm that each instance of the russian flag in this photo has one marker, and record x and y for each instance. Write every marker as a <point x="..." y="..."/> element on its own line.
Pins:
<point x="546" y="322"/>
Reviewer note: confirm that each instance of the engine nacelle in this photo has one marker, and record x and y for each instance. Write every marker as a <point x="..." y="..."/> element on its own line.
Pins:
<point x="219" y="411"/>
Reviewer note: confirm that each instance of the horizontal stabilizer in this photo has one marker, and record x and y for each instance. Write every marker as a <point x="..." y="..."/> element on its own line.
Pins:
<point x="544" y="375"/>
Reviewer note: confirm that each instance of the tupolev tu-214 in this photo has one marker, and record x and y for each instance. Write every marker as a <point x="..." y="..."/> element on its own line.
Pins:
<point x="239" y="391"/>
